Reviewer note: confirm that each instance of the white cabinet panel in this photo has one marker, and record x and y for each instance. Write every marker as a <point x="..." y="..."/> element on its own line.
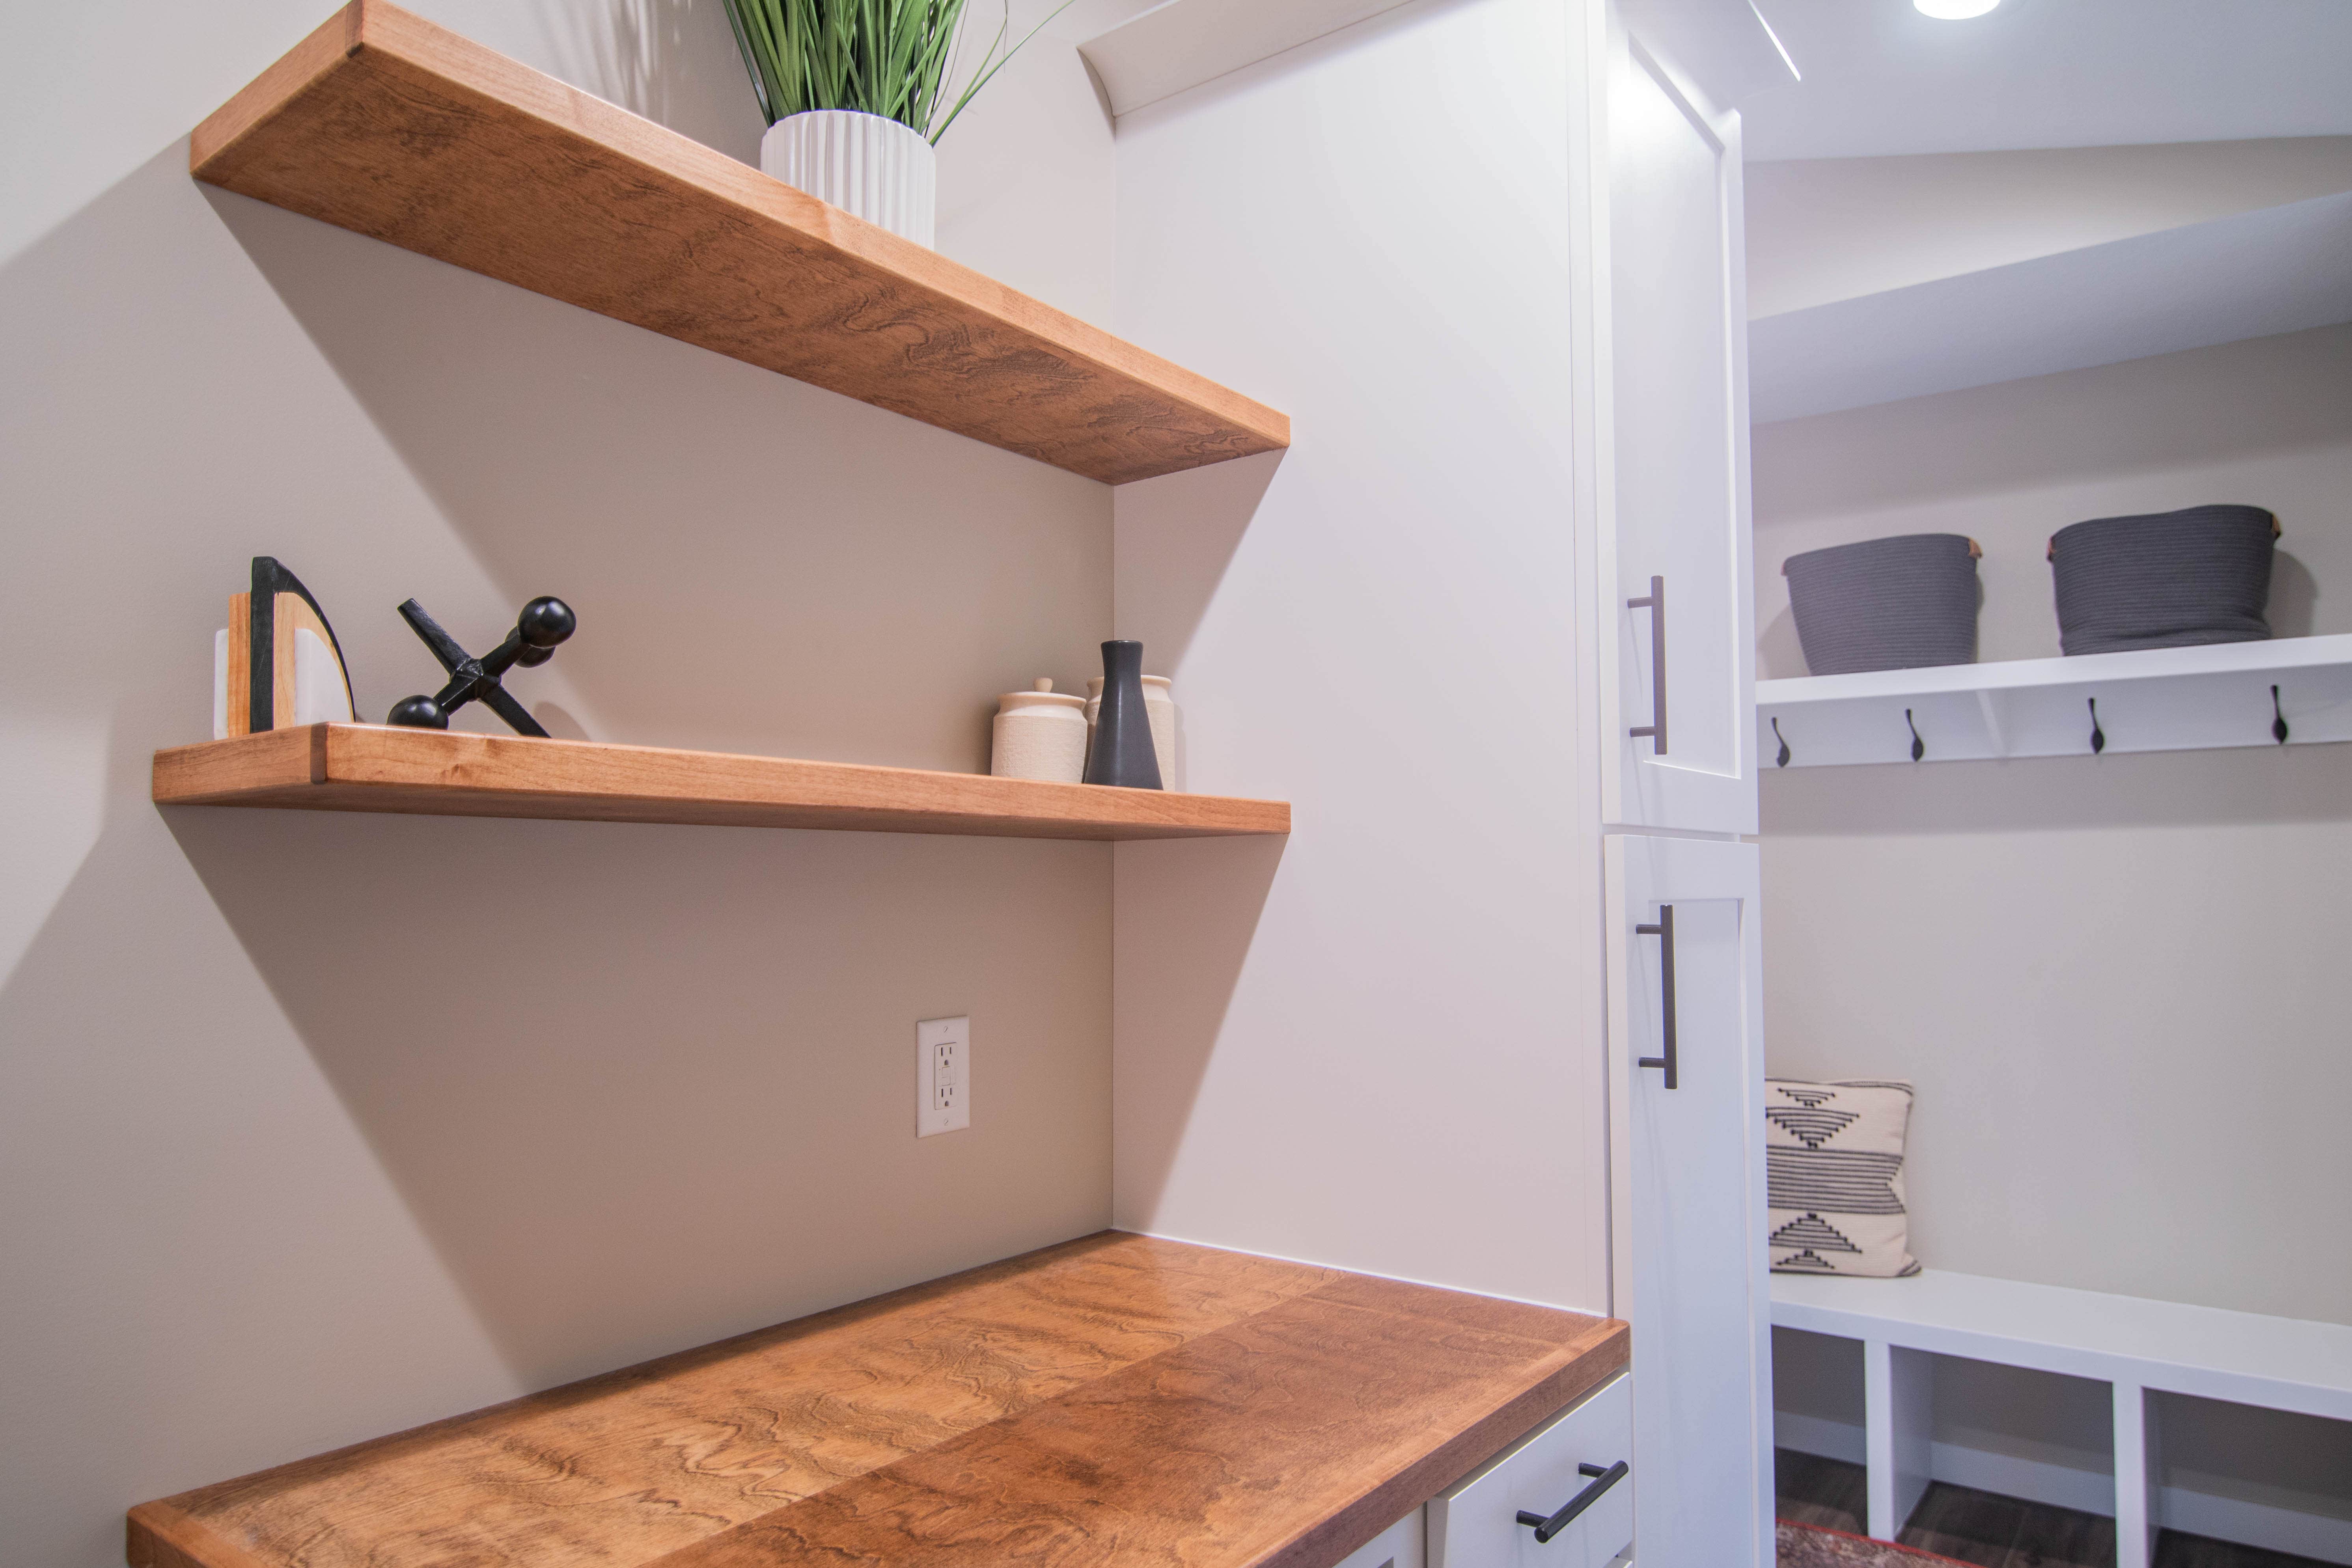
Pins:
<point x="1678" y="672"/>
<point x="1476" y="1524"/>
<point x="1688" y="1264"/>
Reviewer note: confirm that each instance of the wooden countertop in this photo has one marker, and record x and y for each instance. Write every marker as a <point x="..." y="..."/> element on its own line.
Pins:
<point x="1112" y="1400"/>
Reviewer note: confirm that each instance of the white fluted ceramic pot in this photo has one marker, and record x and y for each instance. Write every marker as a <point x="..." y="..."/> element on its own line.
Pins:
<point x="873" y="168"/>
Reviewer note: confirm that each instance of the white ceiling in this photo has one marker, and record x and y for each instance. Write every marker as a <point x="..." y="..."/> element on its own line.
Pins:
<point x="1881" y="79"/>
<point x="2278" y="269"/>
<point x="1825" y="229"/>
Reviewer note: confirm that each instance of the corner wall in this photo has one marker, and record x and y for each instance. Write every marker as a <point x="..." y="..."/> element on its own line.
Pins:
<point x="316" y="1126"/>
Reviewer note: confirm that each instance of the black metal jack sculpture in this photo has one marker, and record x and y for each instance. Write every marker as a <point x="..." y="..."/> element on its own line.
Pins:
<point x="544" y="624"/>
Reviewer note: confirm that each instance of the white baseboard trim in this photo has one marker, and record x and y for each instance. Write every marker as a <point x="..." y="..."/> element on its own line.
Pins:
<point x="2322" y="1536"/>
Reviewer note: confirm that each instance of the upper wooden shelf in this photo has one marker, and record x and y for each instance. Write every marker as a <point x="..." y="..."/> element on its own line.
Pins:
<point x="432" y="773"/>
<point x="382" y="122"/>
<point x="1115" y="1400"/>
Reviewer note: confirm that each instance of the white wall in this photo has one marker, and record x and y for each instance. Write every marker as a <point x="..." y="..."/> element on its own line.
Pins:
<point x="2114" y="980"/>
<point x="1367" y="1046"/>
<point x="313" y="1127"/>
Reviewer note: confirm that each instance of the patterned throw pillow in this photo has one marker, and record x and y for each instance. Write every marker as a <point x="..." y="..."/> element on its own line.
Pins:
<point x="1833" y="1175"/>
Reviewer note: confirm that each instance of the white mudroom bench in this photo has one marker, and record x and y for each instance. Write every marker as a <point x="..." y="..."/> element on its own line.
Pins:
<point x="2136" y="1346"/>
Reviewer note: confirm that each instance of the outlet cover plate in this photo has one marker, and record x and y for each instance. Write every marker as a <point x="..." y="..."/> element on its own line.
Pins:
<point x="942" y="1076"/>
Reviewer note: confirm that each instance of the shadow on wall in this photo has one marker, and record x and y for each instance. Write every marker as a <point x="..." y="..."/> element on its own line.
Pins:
<point x="598" y="1059"/>
<point x="1177" y="538"/>
<point x="1191" y="911"/>
<point x="1201" y="900"/>
<point x="757" y="565"/>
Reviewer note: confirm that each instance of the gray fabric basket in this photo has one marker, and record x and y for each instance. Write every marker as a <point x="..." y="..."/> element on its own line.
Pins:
<point x="1885" y="603"/>
<point x="2169" y="579"/>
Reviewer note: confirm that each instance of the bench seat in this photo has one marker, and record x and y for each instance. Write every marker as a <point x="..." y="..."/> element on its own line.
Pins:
<point x="2134" y="1345"/>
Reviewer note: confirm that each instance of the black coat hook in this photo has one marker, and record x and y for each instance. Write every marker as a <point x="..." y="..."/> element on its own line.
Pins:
<point x="1783" y="759"/>
<point x="1919" y="746"/>
<point x="2098" y="736"/>
<point x="2278" y="721"/>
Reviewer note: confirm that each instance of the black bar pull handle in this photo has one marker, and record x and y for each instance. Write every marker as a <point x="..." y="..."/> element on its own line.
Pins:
<point x="1545" y="1528"/>
<point x="1665" y="931"/>
<point x="1656" y="605"/>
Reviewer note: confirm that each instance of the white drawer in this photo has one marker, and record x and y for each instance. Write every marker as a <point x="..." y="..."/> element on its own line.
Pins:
<point x="1398" y="1546"/>
<point x="1475" y="1523"/>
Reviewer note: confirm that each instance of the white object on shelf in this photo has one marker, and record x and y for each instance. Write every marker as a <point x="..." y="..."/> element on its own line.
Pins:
<point x="1039" y="734"/>
<point x="2154" y="700"/>
<point x="2134" y="1345"/>
<point x="320" y="695"/>
<point x="867" y="166"/>
<point x="1160" y="708"/>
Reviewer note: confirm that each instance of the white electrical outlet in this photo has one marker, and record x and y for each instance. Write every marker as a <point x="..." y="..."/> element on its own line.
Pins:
<point x="942" y="1076"/>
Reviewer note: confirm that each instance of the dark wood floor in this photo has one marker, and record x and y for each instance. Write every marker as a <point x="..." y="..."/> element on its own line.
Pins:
<point x="1992" y="1531"/>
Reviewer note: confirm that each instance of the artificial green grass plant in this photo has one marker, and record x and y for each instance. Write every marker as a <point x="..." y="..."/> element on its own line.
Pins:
<point x="890" y="58"/>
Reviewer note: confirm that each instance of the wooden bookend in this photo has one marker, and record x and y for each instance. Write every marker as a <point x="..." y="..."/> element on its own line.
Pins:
<point x="263" y="650"/>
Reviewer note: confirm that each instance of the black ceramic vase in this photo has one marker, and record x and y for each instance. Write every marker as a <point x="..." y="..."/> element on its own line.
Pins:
<point x="1121" y="753"/>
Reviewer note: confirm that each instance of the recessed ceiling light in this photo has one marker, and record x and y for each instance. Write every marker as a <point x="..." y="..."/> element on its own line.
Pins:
<point x="1953" y="10"/>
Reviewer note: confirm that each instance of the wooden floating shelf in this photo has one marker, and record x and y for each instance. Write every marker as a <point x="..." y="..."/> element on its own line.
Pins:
<point x="2154" y="700"/>
<point x="382" y="122"/>
<point x="1115" y="1400"/>
<point x="434" y="773"/>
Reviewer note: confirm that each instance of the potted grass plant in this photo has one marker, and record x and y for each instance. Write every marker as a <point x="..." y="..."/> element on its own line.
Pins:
<point x="857" y="93"/>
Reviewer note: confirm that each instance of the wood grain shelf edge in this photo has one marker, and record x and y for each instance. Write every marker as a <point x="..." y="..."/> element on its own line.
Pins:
<point x="365" y="124"/>
<point x="372" y="767"/>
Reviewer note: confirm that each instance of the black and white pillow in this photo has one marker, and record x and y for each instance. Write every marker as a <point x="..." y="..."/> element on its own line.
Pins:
<point x="1833" y="1175"/>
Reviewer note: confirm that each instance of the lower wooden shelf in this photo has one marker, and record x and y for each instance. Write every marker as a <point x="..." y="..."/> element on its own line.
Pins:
<point x="1112" y="1401"/>
<point x="372" y="767"/>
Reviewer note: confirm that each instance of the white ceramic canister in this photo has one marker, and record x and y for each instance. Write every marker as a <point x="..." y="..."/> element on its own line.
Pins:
<point x="1039" y="734"/>
<point x="1159" y="704"/>
<point x="873" y="168"/>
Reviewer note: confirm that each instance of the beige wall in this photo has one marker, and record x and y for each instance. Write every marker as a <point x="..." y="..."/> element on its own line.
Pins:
<point x="313" y="1127"/>
<point x="2113" y="979"/>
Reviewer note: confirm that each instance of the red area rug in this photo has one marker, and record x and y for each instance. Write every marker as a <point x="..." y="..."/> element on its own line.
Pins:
<point x="1807" y="1546"/>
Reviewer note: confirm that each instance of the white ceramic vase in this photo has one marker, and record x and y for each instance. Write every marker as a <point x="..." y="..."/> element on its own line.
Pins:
<point x="870" y="167"/>
<point x="1039" y="734"/>
<point x="1159" y="705"/>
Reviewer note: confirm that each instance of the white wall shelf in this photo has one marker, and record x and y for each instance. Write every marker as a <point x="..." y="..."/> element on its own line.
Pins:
<point x="2155" y="700"/>
<point x="2134" y="1345"/>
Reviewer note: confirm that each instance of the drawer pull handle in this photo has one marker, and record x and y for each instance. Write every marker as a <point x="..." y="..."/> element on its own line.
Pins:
<point x="1656" y="602"/>
<point x="1671" y="1063"/>
<point x="1548" y="1528"/>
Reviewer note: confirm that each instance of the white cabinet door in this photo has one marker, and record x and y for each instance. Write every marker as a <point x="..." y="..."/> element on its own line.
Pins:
<point x="1677" y="675"/>
<point x="1686" y="1068"/>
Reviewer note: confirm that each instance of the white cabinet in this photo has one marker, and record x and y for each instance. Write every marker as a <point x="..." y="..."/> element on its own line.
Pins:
<point x="1401" y="1545"/>
<point x="1677" y="600"/>
<point x="1687" y="1070"/>
<point x="1580" y="1456"/>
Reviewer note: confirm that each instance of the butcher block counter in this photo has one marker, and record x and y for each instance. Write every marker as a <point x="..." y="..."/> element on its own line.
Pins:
<point x="1114" y="1400"/>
